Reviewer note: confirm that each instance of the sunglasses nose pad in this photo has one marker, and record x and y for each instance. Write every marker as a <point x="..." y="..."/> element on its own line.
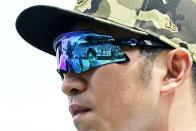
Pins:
<point x="61" y="73"/>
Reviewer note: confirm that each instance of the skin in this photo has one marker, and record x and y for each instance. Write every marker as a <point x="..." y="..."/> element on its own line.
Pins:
<point x="120" y="99"/>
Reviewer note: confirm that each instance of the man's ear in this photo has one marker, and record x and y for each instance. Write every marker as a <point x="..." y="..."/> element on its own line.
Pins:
<point x="178" y="64"/>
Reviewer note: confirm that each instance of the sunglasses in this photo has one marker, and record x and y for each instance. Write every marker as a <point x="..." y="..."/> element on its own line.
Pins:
<point x="81" y="51"/>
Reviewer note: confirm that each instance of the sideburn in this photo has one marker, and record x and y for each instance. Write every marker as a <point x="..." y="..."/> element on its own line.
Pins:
<point x="145" y="69"/>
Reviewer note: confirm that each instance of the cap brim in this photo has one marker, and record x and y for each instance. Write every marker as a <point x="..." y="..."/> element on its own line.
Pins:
<point x="40" y="25"/>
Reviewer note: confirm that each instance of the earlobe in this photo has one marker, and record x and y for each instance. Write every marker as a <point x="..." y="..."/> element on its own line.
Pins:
<point x="178" y="62"/>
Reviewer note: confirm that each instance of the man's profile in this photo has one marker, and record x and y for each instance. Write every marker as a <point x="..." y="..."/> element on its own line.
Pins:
<point x="150" y="86"/>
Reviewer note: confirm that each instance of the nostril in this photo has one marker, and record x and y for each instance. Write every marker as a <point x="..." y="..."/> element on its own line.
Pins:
<point x="74" y="91"/>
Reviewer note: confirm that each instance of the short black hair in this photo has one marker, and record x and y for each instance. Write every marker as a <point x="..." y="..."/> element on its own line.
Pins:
<point x="149" y="57"/>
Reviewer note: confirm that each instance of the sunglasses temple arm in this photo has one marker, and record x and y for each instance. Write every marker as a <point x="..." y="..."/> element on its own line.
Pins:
<point x="144" y="43"/>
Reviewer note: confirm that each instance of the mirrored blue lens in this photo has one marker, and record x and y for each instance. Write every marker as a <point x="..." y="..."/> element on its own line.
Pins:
<point x="81" y="51"/>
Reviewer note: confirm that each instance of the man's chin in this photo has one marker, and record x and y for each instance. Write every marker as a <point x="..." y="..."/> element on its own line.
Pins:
<point x="90" y="121"/>
<point x="85" y="121"/>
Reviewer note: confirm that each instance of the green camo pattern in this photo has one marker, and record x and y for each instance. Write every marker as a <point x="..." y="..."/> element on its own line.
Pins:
<point x="172" y="21"/>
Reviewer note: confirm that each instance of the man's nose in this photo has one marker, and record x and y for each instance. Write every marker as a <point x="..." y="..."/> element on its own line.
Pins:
<point x="73" y="84"/>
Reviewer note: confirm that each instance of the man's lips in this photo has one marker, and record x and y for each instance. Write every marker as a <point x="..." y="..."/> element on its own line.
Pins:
<point x="76" y="109"/>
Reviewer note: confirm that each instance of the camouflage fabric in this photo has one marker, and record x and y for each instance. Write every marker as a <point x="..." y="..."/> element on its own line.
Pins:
<point x="172" y="21"/>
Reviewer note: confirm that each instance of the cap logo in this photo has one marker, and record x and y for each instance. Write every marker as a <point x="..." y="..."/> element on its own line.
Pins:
<point x="169" y="25"/>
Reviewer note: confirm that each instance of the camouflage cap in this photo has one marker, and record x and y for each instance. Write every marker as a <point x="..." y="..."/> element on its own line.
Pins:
<point x="171" y="21"/>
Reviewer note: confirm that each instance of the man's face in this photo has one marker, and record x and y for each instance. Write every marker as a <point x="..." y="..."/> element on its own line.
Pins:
<point x="92" y="58"/>
<point x="113" y="97"/>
